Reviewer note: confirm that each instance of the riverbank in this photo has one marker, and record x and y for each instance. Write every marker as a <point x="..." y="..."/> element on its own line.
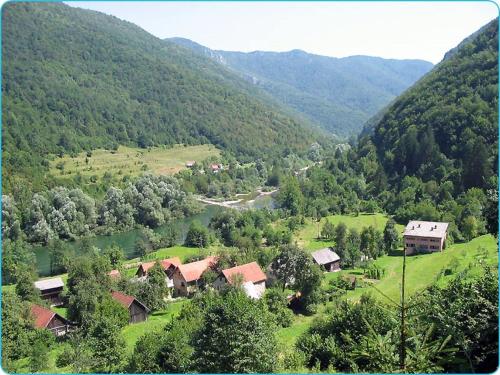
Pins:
<point x="240" y="203"/>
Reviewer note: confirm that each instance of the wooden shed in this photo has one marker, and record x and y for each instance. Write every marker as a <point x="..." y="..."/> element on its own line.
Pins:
<point x="48" y="319"/>
<point x="50" y="290"/>
<point x="327" y="259"/>
<point x="138" y="312"/>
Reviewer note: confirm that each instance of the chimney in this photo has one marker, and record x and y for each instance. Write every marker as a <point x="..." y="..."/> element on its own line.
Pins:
<point x="418" y="226"/>
<point x="435" y="226"/>
<point x="413" y="227"/>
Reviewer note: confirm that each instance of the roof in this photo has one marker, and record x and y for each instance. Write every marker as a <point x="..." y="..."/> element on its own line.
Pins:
<point x="49" y="283"/>
<point x="123" y="298"/>
<point x="193" y="271"/>
<point x="114" y="273"/>
<point x="250" y="272"/>
<point x="42" y="316"/>
<point x="426" y="229"/>
<point x="166" y="263"/>
<point x="325" y="256"/>
<point x="126" y="300"/>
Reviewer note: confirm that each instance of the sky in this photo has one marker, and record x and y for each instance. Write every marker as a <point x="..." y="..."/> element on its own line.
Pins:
<point x="403" y="30"/>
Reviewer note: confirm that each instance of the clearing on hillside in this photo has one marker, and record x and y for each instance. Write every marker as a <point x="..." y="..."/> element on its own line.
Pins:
<point x="131" y="161"/>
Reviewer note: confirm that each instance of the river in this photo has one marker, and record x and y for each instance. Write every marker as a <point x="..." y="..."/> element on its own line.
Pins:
<point x="126" y="240"/>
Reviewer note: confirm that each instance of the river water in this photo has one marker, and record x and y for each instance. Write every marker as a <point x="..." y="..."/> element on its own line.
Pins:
<point x="126" y="240"/>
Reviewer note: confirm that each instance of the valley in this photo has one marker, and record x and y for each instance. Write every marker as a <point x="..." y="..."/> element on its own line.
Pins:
<point x="171" y="208"/>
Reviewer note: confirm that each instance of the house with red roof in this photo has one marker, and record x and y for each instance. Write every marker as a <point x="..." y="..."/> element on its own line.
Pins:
<point x="138" y="312"/>
<point x="48" y="319"/>
<point x="169" y="266"/>
<point x="250" y="275"/>
<point x="187" y="277"/>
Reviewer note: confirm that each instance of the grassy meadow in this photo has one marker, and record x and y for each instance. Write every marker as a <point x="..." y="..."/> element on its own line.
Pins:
<point x="131" y="161"/>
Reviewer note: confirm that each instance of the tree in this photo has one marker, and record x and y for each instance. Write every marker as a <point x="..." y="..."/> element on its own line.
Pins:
<point x="25" y="287"/>
<point x="341" y="239"/>
<point x="277" y="304"/>
<point x="16" y="255"/>
<point x="352" y="253"/>
<point x="153" y="291"/>
<point x="17" y="329"/>
<point x="237" y="335"/>
<point x="391" y="236"/>
<point x="328" y="231"/>
<point x="145" y="359"/>
<point x="107" y="342"/>
<point x="42" y="342"/>
<point x="115" y="255"/>
<point x="197" y="235"/>
<point x="290" y="196"/>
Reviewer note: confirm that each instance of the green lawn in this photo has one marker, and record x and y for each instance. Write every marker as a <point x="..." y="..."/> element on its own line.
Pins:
<point x="131" y="161"/>
<point x="183" y="252"/>
<point x="307" y="235"/>
<point x="156" y="321"/>
<point x="421" y="271"/>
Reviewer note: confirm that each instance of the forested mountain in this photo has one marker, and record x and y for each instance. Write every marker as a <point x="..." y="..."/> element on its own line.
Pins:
<point x="445" y="128"/>
<point x="339" y="94"/>
<point x="77" y="80"/>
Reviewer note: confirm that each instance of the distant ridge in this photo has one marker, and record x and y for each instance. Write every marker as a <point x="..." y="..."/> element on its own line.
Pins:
<point x="339" y="94"/>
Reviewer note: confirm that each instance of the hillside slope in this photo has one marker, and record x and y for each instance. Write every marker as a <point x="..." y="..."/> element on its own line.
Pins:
<point x="340" y="94"/>
<point x="446" y="126"/>
<point x="75" y="80"/>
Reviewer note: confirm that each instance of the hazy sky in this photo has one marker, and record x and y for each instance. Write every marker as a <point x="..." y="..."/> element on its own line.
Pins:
<point x="424" y="30"/>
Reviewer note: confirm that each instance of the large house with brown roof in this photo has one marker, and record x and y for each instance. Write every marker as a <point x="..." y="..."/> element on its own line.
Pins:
<point x="169" y="266"/>
<point x="187" y="277"/>
<point x="48" y="319"/>
<point x="424" y="237"/>
<point x="50" y="290"/>
<point x="138" y="312"/>
<point x="251" y="276"/>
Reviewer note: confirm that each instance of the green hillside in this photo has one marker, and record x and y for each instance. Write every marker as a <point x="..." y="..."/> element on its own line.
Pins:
<point x="445" y="128"/>
<point x="76" y="80"/>
<point x="339" y="94"/>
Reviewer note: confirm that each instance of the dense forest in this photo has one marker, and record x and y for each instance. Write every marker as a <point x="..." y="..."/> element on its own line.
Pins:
<point x="339" y="94"/>
<point x="77" y="80"/>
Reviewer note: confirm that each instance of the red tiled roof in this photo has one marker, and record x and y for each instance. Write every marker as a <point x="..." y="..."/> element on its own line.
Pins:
<point x="42" y="316"/>
<point x="250" y="272"/>
<point x="166" y="263"/>
<point x="123" y="298"/>
<point x="193" y="271"/>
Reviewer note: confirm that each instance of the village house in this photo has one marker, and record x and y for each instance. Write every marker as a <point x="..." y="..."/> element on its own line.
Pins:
<point x="48" y="319"/>
<point x="190" y="163"/>
<point x="424" y="237"/>
<point x="251" y="276"/>
<point x="169" y="266"/>
<point x="187" y="277"/>
<point x="137" y="311"/>
<point x="327" y="259"/>
<point x="215" y="168"/>
<point x="50" y="290"/>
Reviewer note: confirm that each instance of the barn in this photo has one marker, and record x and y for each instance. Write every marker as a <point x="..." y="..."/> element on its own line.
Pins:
<point x="327" y="259"/>
<point x="48" y="319"/>
<point x="50" y="290"/>
<point x="137" y="311"/>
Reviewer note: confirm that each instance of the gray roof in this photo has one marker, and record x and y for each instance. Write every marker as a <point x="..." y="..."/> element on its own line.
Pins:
<point x="325" y="256"/>
<point x="49" y="283"/>
<point x="426" y="229"/>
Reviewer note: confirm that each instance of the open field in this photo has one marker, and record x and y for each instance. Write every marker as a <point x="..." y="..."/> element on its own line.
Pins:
<point x="422" y="271"/>
<point x="131" y="161"/>
<point x="307" y="236"/>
